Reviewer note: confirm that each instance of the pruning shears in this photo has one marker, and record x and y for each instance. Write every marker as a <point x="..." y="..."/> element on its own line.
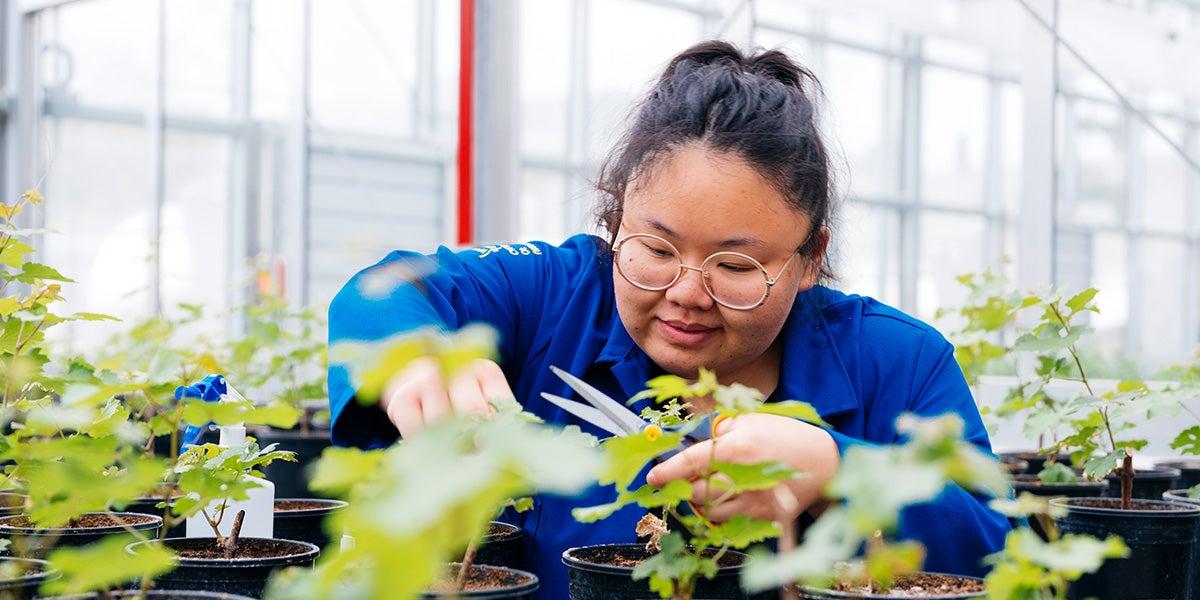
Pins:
<point x="610" y="415"/>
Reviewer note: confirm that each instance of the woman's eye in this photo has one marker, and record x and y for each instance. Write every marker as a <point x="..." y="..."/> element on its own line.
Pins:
<point x="658" y="252"/>
<point x="735" y="267"/>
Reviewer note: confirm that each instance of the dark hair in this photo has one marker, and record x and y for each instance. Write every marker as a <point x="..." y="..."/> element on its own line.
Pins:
<point x="758" y="106"/>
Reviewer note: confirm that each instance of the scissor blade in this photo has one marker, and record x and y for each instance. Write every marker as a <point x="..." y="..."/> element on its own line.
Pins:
<point x="629" y="421"/>
<point x="585" y="412"/>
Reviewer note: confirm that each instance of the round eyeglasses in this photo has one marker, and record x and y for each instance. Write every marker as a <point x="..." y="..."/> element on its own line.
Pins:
<point x="734" y="280"/>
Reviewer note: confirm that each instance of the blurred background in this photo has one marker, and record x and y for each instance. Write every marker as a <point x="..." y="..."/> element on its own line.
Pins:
<point x="190" y="150"/>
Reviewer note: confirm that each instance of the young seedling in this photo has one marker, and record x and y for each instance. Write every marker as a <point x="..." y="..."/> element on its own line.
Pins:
<point x="684" y="556"/>
<point x="873" y="484"/>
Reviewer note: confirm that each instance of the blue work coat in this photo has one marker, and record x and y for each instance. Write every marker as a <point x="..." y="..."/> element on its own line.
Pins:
<point x="860" y="363"/>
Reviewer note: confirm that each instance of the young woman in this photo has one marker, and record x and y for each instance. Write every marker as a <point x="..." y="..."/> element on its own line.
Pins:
<point x="717" y="207"/>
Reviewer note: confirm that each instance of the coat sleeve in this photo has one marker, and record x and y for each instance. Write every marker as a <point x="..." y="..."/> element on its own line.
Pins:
<point x="505" y="286"/>
<point x="957" y="528"/>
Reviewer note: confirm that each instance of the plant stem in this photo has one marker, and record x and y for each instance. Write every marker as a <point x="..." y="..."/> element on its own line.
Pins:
<point x="231" y="542"/>
<point x="468" y="561"/>
<point x="1127" y="482"/>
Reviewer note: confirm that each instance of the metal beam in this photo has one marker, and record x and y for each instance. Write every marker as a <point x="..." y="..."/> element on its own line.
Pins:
<point x="156" y="134"/>
<point x="495" y="125"/>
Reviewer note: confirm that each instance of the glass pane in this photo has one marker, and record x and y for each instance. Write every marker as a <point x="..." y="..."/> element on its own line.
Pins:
<point x="275" y="48"/>
<point x="1098" y="145"/>
<point x="1012" y="111"/>
<point x="543" y="205"/>
<point x="953" y="137"/>
<point x="364" y="64"/>
<point x="858" y="117"/>
<point x="629" y="48"/>
<point x="195" y="221"/>
<point x="1161" y="310"/>
<point x="544" y="76"/>
<point x="199" y="55"/>
<point x="954" y="53"/>
<point x="865" y="253"/>
<point x="785" y="13"/>
<point x="1164" y="179"/>
<point x="1110" y="275"/>
<point x="98" y="53"/>
<point x="98" y="197"/>
<point x="950" y="245"/>
<point x="858" y="26"/>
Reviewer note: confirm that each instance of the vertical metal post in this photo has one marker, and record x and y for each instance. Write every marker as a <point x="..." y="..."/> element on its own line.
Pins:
<point x="156" y="134"/>
<point x="299" y="251"/>
<point x="242" y="210"/>
<point x="1134" y="223"/>
<point x="495" y="102"/>
<point x="576" y="139"/>
<point x="993" y="201"/>
<point x="910" y="172"/>
<point x="1038" y="215"/>
<point x="1191" y="265"/>
<point x="425" y="89"/>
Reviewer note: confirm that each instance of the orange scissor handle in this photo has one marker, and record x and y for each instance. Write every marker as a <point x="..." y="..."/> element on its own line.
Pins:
<point x="716" y="422"/>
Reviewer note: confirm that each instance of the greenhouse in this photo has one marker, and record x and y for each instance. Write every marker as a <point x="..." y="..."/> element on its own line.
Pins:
<point x="582" y="299"/>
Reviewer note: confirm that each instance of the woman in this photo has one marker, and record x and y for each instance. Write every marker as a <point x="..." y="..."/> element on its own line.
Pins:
<point x="717" y="207"/>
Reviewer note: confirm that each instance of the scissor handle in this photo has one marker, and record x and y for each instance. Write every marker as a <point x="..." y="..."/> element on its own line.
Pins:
<point x="712" y="432"/>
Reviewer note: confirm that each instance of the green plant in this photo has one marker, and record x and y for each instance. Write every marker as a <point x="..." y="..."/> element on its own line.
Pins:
<point x="682" y="557"/>
<point x="425" y="500"/>
<point x="874" y="483"/>
<point x="1029" y="568"/>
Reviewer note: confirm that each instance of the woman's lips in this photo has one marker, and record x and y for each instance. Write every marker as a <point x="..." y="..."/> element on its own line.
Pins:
<point x="684" y="333"/>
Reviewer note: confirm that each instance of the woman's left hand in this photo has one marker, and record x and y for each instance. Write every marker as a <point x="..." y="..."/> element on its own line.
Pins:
<point x="756" y="438"/>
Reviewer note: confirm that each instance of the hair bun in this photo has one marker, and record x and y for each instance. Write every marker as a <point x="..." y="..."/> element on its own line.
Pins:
<point x="771" y="64"/>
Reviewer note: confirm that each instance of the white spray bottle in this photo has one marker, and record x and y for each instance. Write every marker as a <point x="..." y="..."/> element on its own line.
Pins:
<point x="259" y="521"/>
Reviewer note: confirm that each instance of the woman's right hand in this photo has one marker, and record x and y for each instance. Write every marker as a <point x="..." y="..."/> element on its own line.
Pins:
<point x="420" y="395"/>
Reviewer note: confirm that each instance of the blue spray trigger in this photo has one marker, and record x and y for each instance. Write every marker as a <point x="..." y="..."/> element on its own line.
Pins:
<point x="209" y="389"/>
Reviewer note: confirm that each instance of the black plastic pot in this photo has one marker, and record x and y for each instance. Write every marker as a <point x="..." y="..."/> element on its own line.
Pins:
<point x="589" y="580"/>
<point x="1149" y="484"/>
<point x="31" y="542"/>
<point x="1180" y="495"/>
<point x="246" y="576"/>
<point x="1036" y="461"/>
<point x="308" y="524"/>
<point x="12" y="503"/>
<point x="810" y="593"/>
<point x="1162" y="541"/>
<point x="1080" y="489"/>
<point x="155" y="595"/>
<point x="147" y="506"/>
<point x="504" y="546"/>
<point x="1015" y="466"/>
<point x="291" y="478"/>
<point x="32" y="574"/>
<point x="1189" y="471"/>
<point x="524" y="584"/>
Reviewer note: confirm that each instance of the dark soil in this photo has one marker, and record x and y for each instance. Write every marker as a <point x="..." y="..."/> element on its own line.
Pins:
<point x="297" y="505"/>
<point x="497" y="532"/>
<point x="1033" y="481"/>
<point x="631" y="557"/>
<point x="920" y="585"/>
<point x="12" y="500"/>
<point x="480" y="579"/>
<point x="89" y="521"/>
<point x="1135" y="505"/>
<point x="206" y="548"/>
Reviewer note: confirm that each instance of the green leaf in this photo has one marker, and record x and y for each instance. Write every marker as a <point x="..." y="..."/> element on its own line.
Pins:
<point x="9" y="305"/>
<point x="1026" y="505"/>
<point x="749" y="477"/>
<point x="740" y="531"/>
<point x="1082" y="301"/>
<point x="794" y="409"/>
<point x="1188" y="440"/>
<point x="1048" y="339"/>
<point x="627" y="455"/>
<point x="884" y="564"/>
<point x="33" y="272"/>
<point x="1055" y="472"/>
<point x="232" y="412"/>
<point x="1099" y="467"/>
<point x="14" y="252"/>
<point x="340" y="469"/>
<point x="105" y="564"/>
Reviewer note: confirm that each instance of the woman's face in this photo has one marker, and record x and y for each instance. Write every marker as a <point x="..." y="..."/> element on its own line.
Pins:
<point x="703" y="202"/>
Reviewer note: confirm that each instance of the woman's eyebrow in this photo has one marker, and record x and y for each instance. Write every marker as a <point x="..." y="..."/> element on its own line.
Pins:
<point x="738" y="242"/>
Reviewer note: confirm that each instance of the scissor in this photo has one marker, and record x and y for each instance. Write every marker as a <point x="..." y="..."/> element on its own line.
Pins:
<point x="605" y="412"/>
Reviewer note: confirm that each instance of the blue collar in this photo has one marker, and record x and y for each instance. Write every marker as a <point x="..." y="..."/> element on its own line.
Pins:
<point x="812" y="369"/>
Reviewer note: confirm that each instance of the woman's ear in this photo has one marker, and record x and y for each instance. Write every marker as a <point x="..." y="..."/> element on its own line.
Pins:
<point x="815" y="258"/>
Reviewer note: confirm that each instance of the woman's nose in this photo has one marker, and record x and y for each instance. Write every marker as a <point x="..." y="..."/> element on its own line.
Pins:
<point x="689" y="290"/>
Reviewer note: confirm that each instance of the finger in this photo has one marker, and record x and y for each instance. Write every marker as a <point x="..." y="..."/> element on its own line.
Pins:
<point x="435" y="398"/>
<point x="703" y="493"/>
<point x="466" y="397"/>
<point x="686" y="465"/>
<point x="756" y="505"/>
<point x="404" y="411"/>
<point x="401" y="399"/>
<point x="492" y="381"/>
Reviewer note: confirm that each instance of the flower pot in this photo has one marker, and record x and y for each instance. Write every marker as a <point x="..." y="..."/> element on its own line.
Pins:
<point x="154" y="595"/>
<point x="200" y="566"/>
<point x="1162" y="541"/>
<point x="291" y="478"/>
<point x="1180" y="495"/>
<point x="1189" y="471"/>
<point x="21" y="577"/>
<point x="503" y="546"/>
<point x="29" y="541"/>
<point x="932" y="585"/>
<point x="1149" y="484"/>
<point x="303" y="519"/>
<point x="605" y="572"/>
<point x="1036" y="460"/>
<point x="489" y="582"/>
<point x="1080" y="489"/>
<point x="148" y="505"/>
<point x="12" y="503"/>
<point x="1015" y="466"/>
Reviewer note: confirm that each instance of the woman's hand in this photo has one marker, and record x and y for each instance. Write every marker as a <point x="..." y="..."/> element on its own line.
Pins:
<point x="755" y="438"/>
<point x="419" y="395"/>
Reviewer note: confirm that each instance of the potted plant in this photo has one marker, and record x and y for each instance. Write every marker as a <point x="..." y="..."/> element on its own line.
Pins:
<point x="873" y="485"/>
<point x="686" y="555"/>
<point x="451" y="480"/>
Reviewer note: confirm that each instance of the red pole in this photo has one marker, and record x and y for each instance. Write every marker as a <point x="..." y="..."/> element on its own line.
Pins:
<point x="466" y="114"/>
